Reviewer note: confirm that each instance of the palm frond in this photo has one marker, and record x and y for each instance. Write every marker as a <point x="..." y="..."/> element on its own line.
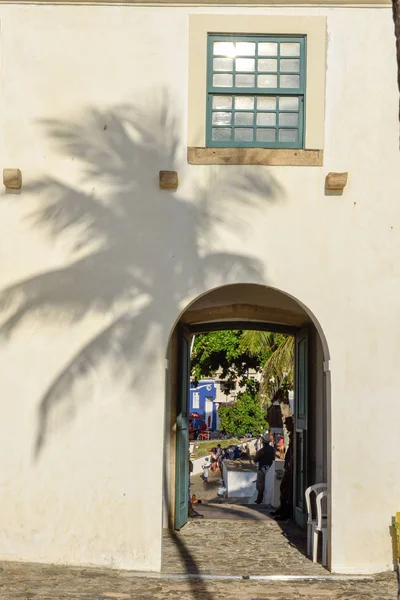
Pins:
<point x="279" y="366"/>
<point x="256" y="342"/>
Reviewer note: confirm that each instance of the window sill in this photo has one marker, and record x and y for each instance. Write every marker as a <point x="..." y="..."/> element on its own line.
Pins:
<point x="274" y="157"/>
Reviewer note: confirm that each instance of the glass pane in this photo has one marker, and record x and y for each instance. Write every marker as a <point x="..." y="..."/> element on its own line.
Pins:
<point x="244" y="118"/>
<point x="265" y="135"/>
<point x="289" y="119"/>
<point x="222" y="102"/>
<point x="244" y="102"/>
<point x="267" y="64"/>
<point x="266" y="119"/>
<point x="290" y="49"/>
<point x="245" y="64"/>
<point x="245" y="80"/>
<point x="222" y="118"/>
<point x="288" y="135"/>
<point x="222" y="80"/>
<point x="221" y="134"/>
<point x="267" y="49"/>
<point x="266" y="102"/>
<point x="289" y="103"/>
<point x="223" y="64"/>
<point x="224" y="49"/>
<point x="290" y="81"/>
<point x="245" y="48"/>
<point x="243" y="135"/>
<point x="268" y="81"/>
<point x="290" y="64"/>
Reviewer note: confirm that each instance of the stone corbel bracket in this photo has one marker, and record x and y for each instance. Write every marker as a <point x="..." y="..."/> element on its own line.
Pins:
<point x="336" y="182"/>
<point x="168" y="180"/>
<point x="12" y="179"/>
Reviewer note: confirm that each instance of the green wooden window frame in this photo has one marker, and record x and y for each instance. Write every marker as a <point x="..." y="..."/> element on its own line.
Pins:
<point x="241" y="110"/>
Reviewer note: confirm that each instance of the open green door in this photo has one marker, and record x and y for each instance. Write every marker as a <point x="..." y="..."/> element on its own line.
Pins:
<point x="182" y="431"/>
<point x="301" y="409"/>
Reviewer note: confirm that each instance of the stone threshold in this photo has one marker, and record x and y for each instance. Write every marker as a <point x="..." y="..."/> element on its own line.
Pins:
<point x="204" y="576"/>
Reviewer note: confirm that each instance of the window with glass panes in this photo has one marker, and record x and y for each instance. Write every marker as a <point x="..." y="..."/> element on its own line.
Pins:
<point x="255" y="91"/>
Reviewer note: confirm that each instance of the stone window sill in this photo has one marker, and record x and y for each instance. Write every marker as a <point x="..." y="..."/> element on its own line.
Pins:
<point x="275" y="157"/>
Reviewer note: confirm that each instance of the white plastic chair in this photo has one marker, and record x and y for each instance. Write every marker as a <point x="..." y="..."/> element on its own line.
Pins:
<point x="320" y="527"/>
<point x="311" y="519"/>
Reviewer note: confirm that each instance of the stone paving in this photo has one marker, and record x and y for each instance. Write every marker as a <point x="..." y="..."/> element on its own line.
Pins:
<point x="230" y="540"/>
<point x="24" y="581"/>
<point x="238" y="547"/>
<point x="236" y="540"/>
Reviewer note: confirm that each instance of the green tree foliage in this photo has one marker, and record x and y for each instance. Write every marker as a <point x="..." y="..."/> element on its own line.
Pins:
<point x="234" y="353"/>
<point x="258" y="342"/>
<point x="278" y="368"/>
<point x="245" y="415"/>
<point x="223" y="350"/>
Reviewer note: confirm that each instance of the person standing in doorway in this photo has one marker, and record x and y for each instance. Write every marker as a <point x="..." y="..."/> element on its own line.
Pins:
<point x="264" y="457"/>
<point x="285" y="511"/>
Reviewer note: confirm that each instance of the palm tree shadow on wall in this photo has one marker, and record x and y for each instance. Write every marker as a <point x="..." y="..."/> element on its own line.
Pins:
<point x="138" y="252"/>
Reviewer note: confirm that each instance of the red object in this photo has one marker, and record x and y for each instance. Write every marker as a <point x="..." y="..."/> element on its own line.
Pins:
<point x="203" y="426"/>
<point x="209" y="421"/>
<point x="195" y="415"/>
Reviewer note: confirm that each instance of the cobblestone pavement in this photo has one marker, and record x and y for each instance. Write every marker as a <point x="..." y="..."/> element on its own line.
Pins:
<point x="253" y="544"/>
<point x="24" y="581"/>
<point x="240" y="547"/>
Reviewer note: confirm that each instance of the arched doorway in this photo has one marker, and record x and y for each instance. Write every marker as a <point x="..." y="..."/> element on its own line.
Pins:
<point x="251" y="306"/>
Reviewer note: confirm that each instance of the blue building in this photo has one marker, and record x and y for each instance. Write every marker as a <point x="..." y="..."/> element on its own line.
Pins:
<point x="202" y="401"/>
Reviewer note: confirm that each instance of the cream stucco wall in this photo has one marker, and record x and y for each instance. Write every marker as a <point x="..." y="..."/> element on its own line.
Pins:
<point x="98" y="263"/>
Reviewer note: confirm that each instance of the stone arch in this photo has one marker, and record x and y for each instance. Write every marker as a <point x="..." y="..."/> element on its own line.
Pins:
<point x="244" y="301"/>
<point x="257" y="306"/>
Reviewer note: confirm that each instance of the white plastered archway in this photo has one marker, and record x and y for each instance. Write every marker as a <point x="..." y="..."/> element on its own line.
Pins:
<point x="251" y="304"/>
